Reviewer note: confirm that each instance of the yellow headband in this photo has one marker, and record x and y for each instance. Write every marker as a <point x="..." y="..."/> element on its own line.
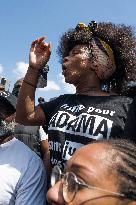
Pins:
<point x="108" y="50"/>
<point x="82" y="26"/>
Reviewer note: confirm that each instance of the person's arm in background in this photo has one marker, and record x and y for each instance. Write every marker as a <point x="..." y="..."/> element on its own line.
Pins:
<point x="26" y="112"/>
<point x="45" y="150"/>
<point x="43" y="136"/>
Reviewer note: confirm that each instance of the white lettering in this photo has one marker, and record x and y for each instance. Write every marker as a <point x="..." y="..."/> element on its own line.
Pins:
<point x="69" y="149"/>
<point x="92" y="126"/>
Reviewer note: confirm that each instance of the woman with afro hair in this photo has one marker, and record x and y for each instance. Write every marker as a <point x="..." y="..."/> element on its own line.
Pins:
<point x="100" y="61"/>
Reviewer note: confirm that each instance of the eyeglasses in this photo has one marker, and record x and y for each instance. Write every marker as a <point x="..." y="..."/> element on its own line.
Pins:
<point x="71" y="184"/>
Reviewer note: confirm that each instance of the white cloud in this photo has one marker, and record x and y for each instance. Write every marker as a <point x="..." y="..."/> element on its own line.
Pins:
<point x="1" y="69"/>
<point x="51" y="86"/>
<point x="20" y="69"/>
<point x="67" y="87"/>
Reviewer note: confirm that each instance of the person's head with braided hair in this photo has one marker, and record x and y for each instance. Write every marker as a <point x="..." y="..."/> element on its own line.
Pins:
<point x="93" y="177"/>
<point x="107" y="56"/>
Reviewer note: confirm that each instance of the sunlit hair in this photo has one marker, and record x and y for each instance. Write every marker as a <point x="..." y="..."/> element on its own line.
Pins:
<point x="122" y="154"/>
<point x="120" y="38"/>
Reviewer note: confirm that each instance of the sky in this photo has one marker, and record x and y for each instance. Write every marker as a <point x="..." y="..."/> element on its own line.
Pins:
<point x="22" y="21"/>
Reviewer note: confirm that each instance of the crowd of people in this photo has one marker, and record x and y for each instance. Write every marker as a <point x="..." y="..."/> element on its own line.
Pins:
<point x="77" y="148"/>
<point x="23" y="176"/>
<point x="33" y="136"/>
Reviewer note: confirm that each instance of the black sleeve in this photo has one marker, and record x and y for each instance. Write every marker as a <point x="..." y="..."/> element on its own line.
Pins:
<point x="130" y="126"/>
<point x="49" y="107"/>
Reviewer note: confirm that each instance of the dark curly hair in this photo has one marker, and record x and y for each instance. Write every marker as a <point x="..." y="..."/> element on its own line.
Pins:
<point x="120" y="38"/>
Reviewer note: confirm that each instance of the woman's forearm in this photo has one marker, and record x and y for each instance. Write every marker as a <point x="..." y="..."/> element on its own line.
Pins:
<point x="26" y="99"/>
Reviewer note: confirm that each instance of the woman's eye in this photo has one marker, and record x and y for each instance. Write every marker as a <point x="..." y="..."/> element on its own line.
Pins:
<point x="81" y="184"/>
<point x="80" y="187"/>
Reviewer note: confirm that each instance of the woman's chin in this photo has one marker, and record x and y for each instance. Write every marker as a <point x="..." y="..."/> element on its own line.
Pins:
<point x="69" y="80"/>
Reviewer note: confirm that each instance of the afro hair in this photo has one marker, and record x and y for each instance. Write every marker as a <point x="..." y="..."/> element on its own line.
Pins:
<point x="120" y="38"/>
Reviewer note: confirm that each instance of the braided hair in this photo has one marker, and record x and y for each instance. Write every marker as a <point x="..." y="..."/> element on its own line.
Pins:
<point x="123" y="156"/>
<point x="120" y="38"/>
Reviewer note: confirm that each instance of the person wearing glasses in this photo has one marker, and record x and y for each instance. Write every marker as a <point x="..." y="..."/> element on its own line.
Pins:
<point x="92" y="177"/>
<point x="99" y="60"/>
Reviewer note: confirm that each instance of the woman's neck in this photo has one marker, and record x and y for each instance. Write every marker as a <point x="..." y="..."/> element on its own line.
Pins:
<point x="89" y="84"/>
<point x="93" y="93"/>
<point x="90" y="90"/>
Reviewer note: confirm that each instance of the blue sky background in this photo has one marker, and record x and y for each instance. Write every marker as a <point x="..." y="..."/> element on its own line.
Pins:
<point x="23" y="21"/>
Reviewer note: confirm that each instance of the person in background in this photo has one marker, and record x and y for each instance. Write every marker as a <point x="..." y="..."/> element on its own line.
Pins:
<point x="41" y="100"/>
<point x="92" y="177"/>
<point x="130" y="126"/>
<point x="99" y="60"/>
<point x="2" y="88"/>
<point x="33" y="136"/>
<point x="44" y="140"/>
<point x="17" y="87"/>
<point x="2" y="83"/>
<point x="22" y="174"/>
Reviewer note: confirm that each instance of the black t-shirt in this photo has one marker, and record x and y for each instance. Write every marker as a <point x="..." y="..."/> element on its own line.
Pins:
<point x="76" y="120"/>
<point x="130" y="127"/>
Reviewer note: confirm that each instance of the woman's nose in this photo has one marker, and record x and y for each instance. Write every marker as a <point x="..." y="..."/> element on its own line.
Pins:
<point x="55" y="194"/>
